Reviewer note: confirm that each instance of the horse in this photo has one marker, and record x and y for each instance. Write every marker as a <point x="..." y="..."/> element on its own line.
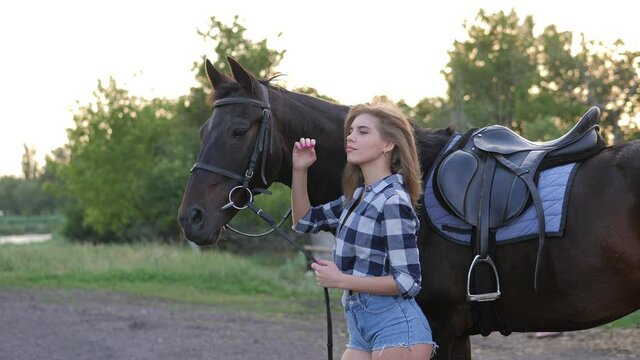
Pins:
<point x="590" y="274"/>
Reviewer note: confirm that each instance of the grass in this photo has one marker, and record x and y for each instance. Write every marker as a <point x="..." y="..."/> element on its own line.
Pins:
<point x="227" y="281"/>
<point x="631" y="320"/>
<point x="37" y="224"/>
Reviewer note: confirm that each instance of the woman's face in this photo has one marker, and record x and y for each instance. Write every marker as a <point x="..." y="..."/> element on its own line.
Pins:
<point x="364" y="143"/>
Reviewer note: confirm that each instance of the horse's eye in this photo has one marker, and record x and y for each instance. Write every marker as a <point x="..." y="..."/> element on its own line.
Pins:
<point x="240" y="132"/>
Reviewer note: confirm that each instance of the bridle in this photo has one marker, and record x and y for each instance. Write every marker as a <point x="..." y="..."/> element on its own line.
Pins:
<point x="264" y="141"/>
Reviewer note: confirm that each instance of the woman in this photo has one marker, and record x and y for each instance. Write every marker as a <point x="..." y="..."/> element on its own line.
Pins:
<point x="375" y="254"/>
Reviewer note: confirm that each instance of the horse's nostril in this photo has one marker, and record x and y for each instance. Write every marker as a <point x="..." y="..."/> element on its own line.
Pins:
<point x="196" y="218"/>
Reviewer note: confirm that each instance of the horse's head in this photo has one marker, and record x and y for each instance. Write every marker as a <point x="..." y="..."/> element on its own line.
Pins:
<point x="234" y="159"/>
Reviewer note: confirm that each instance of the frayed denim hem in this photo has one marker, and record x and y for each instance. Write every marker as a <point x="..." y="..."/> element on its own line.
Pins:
<point x="410" y="346"/>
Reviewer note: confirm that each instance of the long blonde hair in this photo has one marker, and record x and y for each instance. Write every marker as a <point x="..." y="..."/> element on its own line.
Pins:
<point x="395" y="128"/>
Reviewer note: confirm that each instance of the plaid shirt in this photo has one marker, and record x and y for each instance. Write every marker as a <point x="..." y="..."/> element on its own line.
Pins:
<point x="377" y="238"/>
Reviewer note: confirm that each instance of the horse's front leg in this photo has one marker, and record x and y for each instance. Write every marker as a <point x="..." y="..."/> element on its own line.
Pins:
<point x="447" y="328"/>
<point x="461" y="349"/>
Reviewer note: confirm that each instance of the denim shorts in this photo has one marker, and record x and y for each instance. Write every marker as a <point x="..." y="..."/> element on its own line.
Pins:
<point x="376" y="322"/>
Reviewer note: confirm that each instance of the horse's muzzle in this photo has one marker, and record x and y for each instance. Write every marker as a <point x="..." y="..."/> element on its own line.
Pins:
<point x="192" y="222"/>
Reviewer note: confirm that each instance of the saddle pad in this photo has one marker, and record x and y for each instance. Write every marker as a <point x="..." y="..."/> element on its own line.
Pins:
<point x="553" y="186"/>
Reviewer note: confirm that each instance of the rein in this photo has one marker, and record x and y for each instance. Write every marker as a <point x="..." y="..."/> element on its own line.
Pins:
<point x="264" y="141"/>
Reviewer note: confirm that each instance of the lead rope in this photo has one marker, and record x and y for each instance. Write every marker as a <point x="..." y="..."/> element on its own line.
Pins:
<point x="327" y="304"/>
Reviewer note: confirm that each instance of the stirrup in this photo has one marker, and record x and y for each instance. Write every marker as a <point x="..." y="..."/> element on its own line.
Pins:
<point x="487" y="296"/>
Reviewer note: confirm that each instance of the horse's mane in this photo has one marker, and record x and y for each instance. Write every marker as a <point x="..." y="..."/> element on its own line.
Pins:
<point x="430" y="142"/>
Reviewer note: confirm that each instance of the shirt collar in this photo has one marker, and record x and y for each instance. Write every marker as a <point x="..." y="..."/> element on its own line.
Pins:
<point x="383" y="183"/>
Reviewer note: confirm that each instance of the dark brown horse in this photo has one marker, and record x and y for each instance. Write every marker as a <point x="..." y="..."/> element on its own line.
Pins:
<point x="589" y="276"/>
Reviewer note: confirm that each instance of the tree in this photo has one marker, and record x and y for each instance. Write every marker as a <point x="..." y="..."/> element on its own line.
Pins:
<point x="230" y="41"/>
<point x="610" y="76"/>
<point x="29" y="163"/>
<point x="536" y="85"/>
<point x="489" y="74"/>
<point x="125" y="165"/>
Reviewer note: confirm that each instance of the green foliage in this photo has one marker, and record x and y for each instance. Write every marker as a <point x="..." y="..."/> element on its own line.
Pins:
<point x="230" y="41"/>
<point x="503" y="74"/>
<point x="24" y="197"/>
<point x="492" y="71"/>
<point x="126" y="166"/>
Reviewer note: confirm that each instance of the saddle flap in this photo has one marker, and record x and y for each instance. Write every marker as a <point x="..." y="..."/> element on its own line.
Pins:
<point x="454" y="177"/>
<point x="461" y="182"/>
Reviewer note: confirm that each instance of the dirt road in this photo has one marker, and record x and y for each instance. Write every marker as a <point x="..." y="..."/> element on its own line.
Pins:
<point x="67" y="324"/>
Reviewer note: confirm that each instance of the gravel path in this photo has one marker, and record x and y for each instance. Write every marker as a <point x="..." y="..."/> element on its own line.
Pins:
<point x="67" y="324"/>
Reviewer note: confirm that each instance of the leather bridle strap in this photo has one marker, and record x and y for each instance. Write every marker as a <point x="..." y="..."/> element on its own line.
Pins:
<point x="216" y="169"/>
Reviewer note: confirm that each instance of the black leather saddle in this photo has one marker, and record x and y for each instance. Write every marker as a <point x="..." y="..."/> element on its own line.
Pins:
<point x="491" y="179"/>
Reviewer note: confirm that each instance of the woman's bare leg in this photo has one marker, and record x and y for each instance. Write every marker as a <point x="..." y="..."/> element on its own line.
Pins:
<point x="353" y="354"/>
<point x="415" y="352"/>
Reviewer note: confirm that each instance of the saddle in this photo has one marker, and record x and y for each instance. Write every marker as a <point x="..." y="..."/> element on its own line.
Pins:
<point x="491" y="180"/>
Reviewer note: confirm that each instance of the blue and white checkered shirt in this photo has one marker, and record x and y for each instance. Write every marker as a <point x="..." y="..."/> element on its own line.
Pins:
<point x="378" y="237"/>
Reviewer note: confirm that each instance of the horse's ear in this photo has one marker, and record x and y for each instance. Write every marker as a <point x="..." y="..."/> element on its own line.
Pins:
<point x="216" y="78"/>
<point x="242" y="76"/>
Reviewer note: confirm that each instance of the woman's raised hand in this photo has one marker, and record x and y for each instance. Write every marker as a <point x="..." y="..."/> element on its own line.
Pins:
<point x="304" y="153"/>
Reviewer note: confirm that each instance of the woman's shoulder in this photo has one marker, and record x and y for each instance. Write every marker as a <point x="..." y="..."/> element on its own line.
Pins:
<point x="397" y="194"/>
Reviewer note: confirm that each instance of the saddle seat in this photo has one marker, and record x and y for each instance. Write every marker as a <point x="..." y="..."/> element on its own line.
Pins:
<point x="502" y="140"/>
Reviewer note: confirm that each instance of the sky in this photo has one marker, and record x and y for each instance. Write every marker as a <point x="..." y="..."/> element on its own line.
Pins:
<point x="54" y="52"/>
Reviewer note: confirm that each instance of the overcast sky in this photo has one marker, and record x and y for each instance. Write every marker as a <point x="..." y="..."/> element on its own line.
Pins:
<point x="54" y="52"/>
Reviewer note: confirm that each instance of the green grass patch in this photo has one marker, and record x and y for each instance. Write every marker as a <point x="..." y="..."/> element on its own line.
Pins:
<point x="37" y="224"/>
<point x="631" y="320"/>
<point x="228" y="281"/>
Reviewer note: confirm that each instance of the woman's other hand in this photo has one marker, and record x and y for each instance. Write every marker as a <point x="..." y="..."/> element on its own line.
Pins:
<point x="328" y="274"/>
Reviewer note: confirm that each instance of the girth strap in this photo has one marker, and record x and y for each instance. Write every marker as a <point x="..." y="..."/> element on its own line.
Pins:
<point x="527" y="177"/>
<point x="485" y="202"/>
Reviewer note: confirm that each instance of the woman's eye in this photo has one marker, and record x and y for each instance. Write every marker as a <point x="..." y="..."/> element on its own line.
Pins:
<point x="240" y="132"/>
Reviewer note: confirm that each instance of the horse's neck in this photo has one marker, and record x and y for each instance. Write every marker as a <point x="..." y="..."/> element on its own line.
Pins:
<point x="305" y="116"/>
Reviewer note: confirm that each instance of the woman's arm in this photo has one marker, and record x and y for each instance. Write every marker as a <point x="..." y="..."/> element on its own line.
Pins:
<point x="330" y="276"/>
<point x="299" y="195"/>
<point x="378" y="285"/>
<point x="304" y="155"/>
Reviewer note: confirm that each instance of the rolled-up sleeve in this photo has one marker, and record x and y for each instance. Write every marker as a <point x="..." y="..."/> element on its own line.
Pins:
<point x="399" y="227"/>
<point x="322" y="217"/>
